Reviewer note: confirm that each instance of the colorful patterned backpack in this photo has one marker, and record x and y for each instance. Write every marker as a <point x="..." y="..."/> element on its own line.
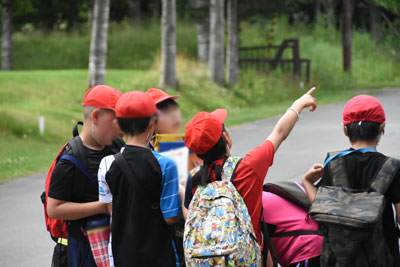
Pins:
<point x="218" y="229"/>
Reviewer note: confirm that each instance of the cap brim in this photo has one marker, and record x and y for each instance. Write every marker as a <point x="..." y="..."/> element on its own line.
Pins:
<point x="173" y="97"/>
<point x="220" y="114"/>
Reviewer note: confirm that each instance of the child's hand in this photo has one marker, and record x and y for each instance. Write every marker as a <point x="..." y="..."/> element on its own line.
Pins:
<point x="313" y="174"/>
<point x="307" y="100"/>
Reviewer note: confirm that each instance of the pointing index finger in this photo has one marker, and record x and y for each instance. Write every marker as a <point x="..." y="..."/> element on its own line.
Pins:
<point x="311" y="91"/>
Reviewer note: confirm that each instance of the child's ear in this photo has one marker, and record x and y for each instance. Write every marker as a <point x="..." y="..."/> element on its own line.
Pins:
<point x="94" y="116"/>
<point x="345" y="131"/>
<point x="382" y="128"/>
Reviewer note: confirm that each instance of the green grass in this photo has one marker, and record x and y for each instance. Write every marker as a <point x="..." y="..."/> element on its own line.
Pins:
<point x="133" y="64"/>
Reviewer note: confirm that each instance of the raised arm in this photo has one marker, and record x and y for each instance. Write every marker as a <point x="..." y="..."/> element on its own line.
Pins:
<point x="286" y="123"/>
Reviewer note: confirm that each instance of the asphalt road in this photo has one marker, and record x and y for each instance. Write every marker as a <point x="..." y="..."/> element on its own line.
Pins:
<point x="25" y="242"/>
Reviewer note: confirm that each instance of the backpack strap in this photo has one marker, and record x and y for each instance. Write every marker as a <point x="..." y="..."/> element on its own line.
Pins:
<point x="134" y="180"/>
<point x="75" y="131"/>
<point x="296" y="233"/>
<point x="78" y="150"/>
<point x="79" y="166"/>
<point x="267" y="242"/>
<point x="385" y="175"/>
<point x="229" y="168"/>
<point x="338" y="170"/>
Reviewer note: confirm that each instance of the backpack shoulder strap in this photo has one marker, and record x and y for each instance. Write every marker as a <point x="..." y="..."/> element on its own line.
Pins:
<point x="79" y="166"/>
<point x="131" y="176"/>
<point x="78" y="150"/>
<point x="230" y="167"/>
<point x="75" y="131"/>
<point x="339" y="173"/>
<point x="385" y="175"/>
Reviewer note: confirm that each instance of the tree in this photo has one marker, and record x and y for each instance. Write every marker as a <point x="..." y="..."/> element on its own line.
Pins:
<point x="202" y="11"/>
<point x="98" y="42"/>
<point x="232" y="58"/>
<point x="346" y="35"/>
<point x="216" y="57"/>
<point x="168" y="44"/>
<point x="375" y="27"/>
<point x="6" y="37"/>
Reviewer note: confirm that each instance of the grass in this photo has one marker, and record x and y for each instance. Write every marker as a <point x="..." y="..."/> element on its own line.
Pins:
<point x="51" y="78"/>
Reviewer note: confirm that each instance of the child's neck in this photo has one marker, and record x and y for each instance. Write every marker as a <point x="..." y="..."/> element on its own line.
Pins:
<point x="364" y="144"/>
<point x="87" y="137"/>
<point x="137" y="140"/>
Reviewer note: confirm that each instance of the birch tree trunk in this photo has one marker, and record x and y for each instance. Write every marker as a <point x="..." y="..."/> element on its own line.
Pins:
<point x="203" y="29"/>
<point x="6" y="37"/>
<point x="347" y="35"/>
<point x="232" y="58"/>
<point x="375" y="26"/>
<point x="98" y="42"/>
<point x="216" y="57"/>
<point x="168" y="44"/>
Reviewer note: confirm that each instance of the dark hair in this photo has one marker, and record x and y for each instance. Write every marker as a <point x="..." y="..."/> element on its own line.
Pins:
<point x="203" y="176"/>
<point x="134" y="126"/>
<point x="167" y="105"/>
<point x="363" y="131"/>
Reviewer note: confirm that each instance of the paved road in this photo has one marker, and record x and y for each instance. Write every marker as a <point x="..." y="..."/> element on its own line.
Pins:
<point x="24" y="241"/>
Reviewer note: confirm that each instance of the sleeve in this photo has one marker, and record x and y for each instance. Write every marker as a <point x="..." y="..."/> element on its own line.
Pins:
<point x="104" y="190"/>
<point x="326" y="179"/>
<point x="62" y="181"/>
<point x="260" y="158"/>
<point x="393" y="191"/>
<point x="170" y="202"/>
<point x="188" y="192"/>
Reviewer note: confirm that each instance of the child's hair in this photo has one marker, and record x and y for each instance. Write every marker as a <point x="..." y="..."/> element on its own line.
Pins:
<point x="134" y="126"/>
<point x="167" y="105"/>
<point x="363" y="131"/>
<point x="203" y="176"/>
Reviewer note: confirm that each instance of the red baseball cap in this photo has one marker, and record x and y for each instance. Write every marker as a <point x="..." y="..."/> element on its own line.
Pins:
<point x="159" y="95"/>
<point x="135" y="104"/>
<point x="363" y="108"/>
<point x="204" y="130"/>
<point x="101" y="96"/>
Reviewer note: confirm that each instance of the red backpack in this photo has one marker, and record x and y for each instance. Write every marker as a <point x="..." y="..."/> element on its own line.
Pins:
<point x="57" y="228"/>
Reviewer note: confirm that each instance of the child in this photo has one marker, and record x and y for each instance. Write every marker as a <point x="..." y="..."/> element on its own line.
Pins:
<point x="169" y="120"/>
<point x="140" y="232"/>
<point x="206" y="136"/>
<point x="73" y="196"/>
<point x="364" y="124"/>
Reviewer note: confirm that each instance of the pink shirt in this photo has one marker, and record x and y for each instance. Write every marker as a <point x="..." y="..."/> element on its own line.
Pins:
<point x="289" y="217"/>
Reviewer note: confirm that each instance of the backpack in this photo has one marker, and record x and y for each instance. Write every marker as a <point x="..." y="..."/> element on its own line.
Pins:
<point x="295" y="193"/>
<point x="58" y="228"/>
<point x="218" y="228"/>
<point x="351" y="220"/>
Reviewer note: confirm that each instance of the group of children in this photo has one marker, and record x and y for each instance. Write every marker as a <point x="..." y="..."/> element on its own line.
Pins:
<point x="140" y="189"/>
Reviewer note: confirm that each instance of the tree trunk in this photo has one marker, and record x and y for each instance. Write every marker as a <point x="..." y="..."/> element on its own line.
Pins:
<point x="346" y="35"/>
<point x="90" y="15"/>
<point x="136" y="7"/>
<point x="98" y="43"/>
<point x="232" y="58"/>
<point x="203" y="30"/>
<point x="216" y="57"/>
<point x="168" y="44"/>
<point x="375" y="26"/>
<point x="6" y="37"/>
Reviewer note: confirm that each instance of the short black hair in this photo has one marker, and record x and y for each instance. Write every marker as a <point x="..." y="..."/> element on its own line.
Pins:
<point x="134" y="126"/>
<point x="363" y="131"/>
<point x="167" y="105"/>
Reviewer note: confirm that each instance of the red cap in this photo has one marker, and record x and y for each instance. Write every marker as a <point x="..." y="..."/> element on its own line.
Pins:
<point x="363" y="108"/>
<point x="101" y="96"/>
<point x="204" y="130"/>
<point x="159" y="95"/>
<point x="135" y="104"/>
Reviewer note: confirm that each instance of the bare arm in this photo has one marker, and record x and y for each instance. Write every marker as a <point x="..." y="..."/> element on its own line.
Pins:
<point x="286" y="123"/>
<point x="310" y="178"/>
<point x="59" y="209"/>
<point x="182" y="197"/>
<point x="172" y="220"/>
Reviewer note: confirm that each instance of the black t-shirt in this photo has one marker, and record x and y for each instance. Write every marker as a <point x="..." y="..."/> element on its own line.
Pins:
<point x="362" y="169"/>
<point x="140" y="235"/>
<point x="68" y="183"/>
